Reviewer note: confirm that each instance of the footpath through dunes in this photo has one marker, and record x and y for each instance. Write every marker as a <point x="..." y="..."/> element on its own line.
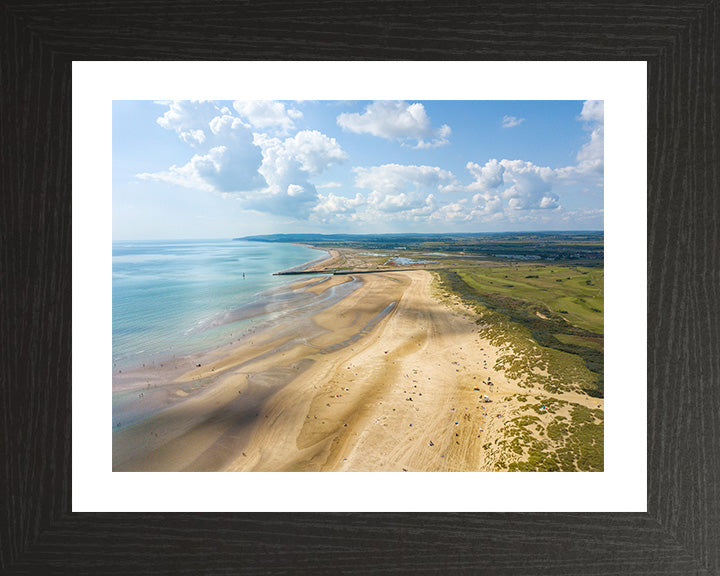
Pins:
<point x="390" y="377"/>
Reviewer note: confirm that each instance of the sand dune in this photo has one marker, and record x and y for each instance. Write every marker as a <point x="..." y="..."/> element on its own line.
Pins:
<point x="383" y="379"/>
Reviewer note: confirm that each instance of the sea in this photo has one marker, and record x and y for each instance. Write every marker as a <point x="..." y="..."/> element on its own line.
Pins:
<point x="182" y="297"/>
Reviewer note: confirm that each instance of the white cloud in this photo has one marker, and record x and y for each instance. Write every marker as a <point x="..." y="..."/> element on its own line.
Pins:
<point x="227" y="160"/>
<point x="246" y="153"/>
<point x="189" y="118"/>
<point x="396" y="120"/>
<point x="500" y="190"/>
<point x="390" y="203"/>
<point x="314" y="150"/>
<point x="336" y="205"/>
<point x="511" y="185"/>
<point x="531" y="186"/>
<point x="487" y="203"/>
<point x="286" y="166"/>
<point x="486" y="177"/>
<point x="265" y="173"/>
<point x="441" y="138"/>
<point x="407" y="192"/>
<point x="594" y="215"/>
<point x="454" y="212"/>
<point x="221" y="169"/>
<point x="193" y="137"/>
<point x="593" y="111"/>
<point x="591" y="157"/>
<point x="395" y="192"/>
<point x="264" y="114"/>
<point x="398" y="178"/>
<point x="511" y="121"/>
<point x="225" y="124"/>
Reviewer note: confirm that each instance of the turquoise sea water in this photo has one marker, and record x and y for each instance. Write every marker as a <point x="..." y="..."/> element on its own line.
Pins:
<point x="181" y="297"/>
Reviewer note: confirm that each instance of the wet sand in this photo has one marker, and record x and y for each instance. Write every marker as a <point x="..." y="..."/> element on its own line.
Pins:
<point x="381" y="377"/>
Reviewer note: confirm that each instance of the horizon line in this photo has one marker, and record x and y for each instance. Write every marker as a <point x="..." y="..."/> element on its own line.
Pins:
<point x="360" y="234"/>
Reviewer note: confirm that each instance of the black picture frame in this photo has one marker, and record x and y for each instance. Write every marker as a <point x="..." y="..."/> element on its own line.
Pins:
<point x="680" y="533"/>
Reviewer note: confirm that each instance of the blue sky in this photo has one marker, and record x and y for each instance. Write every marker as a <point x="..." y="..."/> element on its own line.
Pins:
<point x="222" y="169"/>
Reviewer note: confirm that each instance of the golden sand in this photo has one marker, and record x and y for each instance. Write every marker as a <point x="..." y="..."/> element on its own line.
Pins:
<point x="384" y="379"/>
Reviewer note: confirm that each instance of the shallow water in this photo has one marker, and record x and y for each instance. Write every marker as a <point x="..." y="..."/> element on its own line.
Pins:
<point x="180" y="297"/>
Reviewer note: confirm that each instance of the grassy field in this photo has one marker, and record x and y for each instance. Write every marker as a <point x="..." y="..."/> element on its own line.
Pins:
<point x="554" y="313"/>
<point x="549" y="320"/>
<point x="573" y="293"/>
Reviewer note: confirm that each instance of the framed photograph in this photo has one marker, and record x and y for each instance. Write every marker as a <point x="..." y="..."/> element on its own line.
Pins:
<point x="492" y="181"/>
<point x="403" y="285"/>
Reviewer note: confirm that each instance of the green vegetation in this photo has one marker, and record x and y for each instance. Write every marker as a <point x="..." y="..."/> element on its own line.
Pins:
<point x="591" y="342"/>
<point x="578" y="300"/>
<point x="554" y="329"/>
<point x="539" y="298"/>
<point x="558" y="445"/>
<point x="584" y="247"/>
<point x="548" y="321"/>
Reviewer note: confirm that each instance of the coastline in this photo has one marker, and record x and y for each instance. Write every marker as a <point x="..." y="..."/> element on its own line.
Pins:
<point x="160" y="380"/>
<point x="254" y="303"/>
<point x="360" y="384"/>
<point x="315" y="265"/>
<point x="354" y="372"/>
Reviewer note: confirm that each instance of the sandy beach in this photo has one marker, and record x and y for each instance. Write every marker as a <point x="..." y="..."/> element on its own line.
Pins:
<point x="390" y="377"/>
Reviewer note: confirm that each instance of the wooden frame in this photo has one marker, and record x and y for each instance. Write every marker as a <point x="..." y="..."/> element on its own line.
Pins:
<point x="680" y="533"/>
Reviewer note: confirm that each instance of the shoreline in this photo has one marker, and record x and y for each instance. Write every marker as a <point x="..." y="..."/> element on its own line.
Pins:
<point x="259" y="306"/>
<point x="329" y="256"/>
<point x="323" y="391"/>
<point x="371" y="372"/>
<point x="160" y="380"/>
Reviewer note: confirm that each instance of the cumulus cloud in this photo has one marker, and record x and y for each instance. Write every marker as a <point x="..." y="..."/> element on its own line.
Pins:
<point x="487" y="204"/>
<point x="189" y="119"/>
<point x="395" y="192"/>
<point x="398" y="178"/>
<point x="332" y="205"/>
<point x="253" y="152"/>
<point x="314" y="150"/>
<point x="229" y="167"/>
<point x="266" y="173"/>
<point x="407" y="192"/>
<point x="591" y="157"/>
<point x="440" y="137"/>
<point x="396" y="120"/>
<point x="487" y="177"/>
<point x="531" y="187"/>
<point x="511" y="121"/>
<point x="401" y="207"/>
<point x="593" y="111"/>
<point x="401" y="202"/>
<point x="225" y="124"/>
<point x="287" y="165"/>
<point x="511" y="190"/>
<point x="265" y="114"/>
<point x="454" y="212"/>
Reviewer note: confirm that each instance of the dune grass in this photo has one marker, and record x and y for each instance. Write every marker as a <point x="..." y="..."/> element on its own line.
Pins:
<point x="552" y="315"/>
<point x="548" y="322"/>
